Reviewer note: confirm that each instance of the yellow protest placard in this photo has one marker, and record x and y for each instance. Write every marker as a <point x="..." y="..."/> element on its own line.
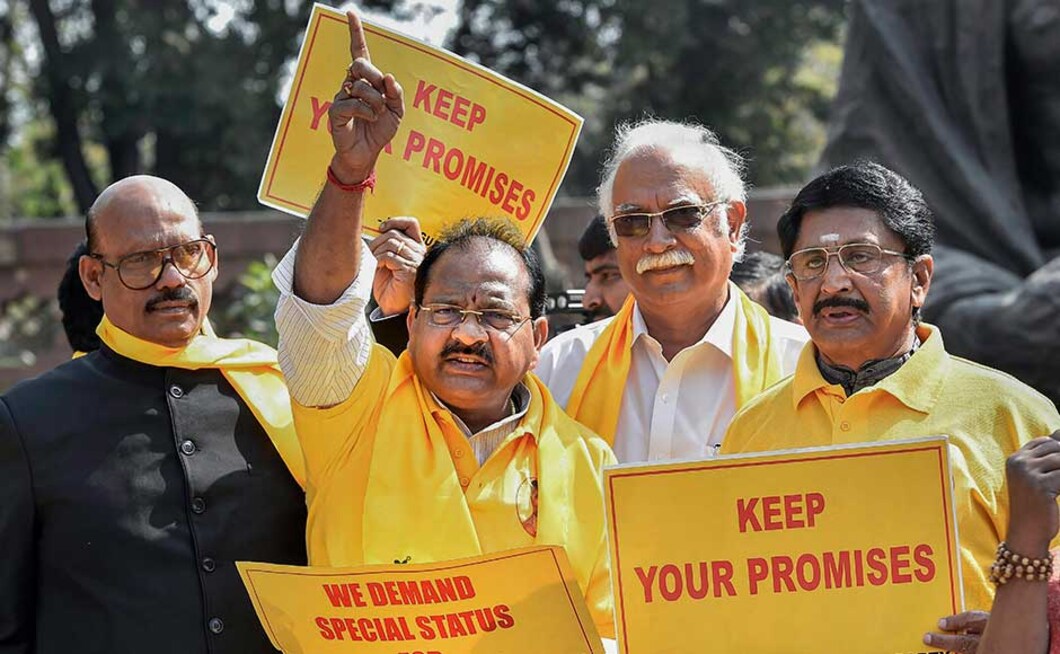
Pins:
<point x="850" y="549"/>
<point x="472" y="143"/>
<point x="512" y="602"/>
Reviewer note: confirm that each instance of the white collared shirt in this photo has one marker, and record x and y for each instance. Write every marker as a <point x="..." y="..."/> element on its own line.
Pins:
<point x="670" y="410"/>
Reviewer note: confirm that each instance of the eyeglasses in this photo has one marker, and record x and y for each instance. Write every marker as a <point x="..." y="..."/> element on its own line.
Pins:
<point x="682" y="218"/>
<point x="141" y="270"/>
<point x="861" y="258"/>
<point x="444" y="315"/>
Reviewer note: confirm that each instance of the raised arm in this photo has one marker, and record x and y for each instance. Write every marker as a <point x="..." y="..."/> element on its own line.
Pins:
<point x="364" y="117"/>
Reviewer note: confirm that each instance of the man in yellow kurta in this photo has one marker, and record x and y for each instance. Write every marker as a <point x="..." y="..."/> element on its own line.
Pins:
<point x="453" y="449"/>
<point x="858" y="242"/>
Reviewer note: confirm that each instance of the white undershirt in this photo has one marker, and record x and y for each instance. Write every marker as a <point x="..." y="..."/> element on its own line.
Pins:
<point x="670" y="410"/>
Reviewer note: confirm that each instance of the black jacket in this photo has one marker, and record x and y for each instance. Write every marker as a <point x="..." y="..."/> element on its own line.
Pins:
<point x="127" y="491"/>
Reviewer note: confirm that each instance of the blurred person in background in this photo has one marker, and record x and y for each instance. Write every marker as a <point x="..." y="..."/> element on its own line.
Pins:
<point x="605" y="290"/>
<point x="761" y="276"/>
<point x="80" y="312"/>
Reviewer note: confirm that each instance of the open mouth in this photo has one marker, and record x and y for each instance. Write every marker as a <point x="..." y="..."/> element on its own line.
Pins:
<point x="466" y="363"/>
<point x="840" y="315"/>
<point x="172" y="307"/>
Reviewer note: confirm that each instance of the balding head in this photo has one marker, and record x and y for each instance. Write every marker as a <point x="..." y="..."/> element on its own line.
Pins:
<point x="138" y="196"/>
<point x="134" y="227"/>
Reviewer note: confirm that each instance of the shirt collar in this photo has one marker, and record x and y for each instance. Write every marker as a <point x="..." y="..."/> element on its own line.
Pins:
<point x="719" y="335"/>
<point x="869" y="374"/>
<point x="521" y="399"/>
<point x="916" y="384"/>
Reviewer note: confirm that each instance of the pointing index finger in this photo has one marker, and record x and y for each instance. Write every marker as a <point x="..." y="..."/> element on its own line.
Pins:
<point x="358" y="46"/>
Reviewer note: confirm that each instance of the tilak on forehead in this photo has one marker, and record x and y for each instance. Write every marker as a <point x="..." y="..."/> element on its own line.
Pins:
<point x="829" y="238"/>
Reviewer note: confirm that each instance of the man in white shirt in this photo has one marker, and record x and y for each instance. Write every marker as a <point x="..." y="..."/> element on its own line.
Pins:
<point x="663" y="378"/>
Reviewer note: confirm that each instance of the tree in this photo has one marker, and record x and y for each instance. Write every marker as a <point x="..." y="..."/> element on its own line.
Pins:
<point x="738" y="66"/>
<point x="167" y="88"/>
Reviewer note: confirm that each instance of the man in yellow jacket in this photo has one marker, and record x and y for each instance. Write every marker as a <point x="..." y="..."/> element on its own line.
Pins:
<point x="452" y="449"/>
<point x="858" y="242"/>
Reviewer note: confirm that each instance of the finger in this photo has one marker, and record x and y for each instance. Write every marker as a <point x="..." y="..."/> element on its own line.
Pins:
<point x="358" y="45"/>
<point x="1043" y="441"/>
<point x="362" y="90"/>
<point x="396" y="262"/>
<point x="966" y="644"/>
<point x="972" y="621"/>
<point x="408" y="225"/>
<point x="363" y="69"/>
<point x="1050" y="481"/>
<point x="389" y="241"/>
<point x="395" y="96"/>
<point x="402" y="246"/>
<point x="1047" y="463"/>
<point x="344" y="109"/>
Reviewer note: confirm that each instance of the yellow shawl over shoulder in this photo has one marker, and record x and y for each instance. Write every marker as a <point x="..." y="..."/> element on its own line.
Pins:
<point x="392" y="479"/>
<point x="250" y="367"/>
<point x="597" y="395"/>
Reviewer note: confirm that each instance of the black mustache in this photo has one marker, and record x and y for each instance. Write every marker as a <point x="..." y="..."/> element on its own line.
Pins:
<point x="853" y="303"/>
<point x="480" y="350"/>
<point x="182" y="294"/>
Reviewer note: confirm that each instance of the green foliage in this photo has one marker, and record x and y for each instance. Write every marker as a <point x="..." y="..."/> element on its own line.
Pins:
<point x="32" y="181"/>
<point x="753" y="70"/>
<point x="171" y="89"/>
<point x="248" y="309"/>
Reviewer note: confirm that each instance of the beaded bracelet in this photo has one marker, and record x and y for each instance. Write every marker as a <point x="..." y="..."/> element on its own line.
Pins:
<point x="1010" y="565"/>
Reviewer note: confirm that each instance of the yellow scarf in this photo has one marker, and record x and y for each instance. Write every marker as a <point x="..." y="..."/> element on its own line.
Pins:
<point x="414" y="504"/>
<point x="597" y="395"/>
<point x="250" y="367"/>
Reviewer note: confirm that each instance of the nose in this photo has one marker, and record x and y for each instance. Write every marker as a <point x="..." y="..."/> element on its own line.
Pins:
<point x="659" y="238"/>
<point x="835" y="279"/>
<point x="593" y="298"/>
<point x="170" y="277"/>
<point x="470" y="330"/>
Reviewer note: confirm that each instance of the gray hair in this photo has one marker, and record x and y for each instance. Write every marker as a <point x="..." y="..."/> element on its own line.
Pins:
<point x="695" y="145"/>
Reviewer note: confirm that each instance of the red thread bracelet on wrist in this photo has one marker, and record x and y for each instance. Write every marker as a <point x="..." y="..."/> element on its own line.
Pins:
<point x="367" y="185"/>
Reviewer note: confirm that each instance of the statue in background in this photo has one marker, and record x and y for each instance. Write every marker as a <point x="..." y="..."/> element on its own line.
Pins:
<point x="963" y="98"/>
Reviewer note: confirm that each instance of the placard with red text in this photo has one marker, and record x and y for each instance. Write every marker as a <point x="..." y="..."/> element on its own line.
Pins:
<point x="515" y="602"/>
<point x="472" y="143"/>
<point x="850" y="549"/>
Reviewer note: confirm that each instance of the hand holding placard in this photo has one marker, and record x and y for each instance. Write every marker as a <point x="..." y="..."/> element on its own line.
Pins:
<point x="398" y="252"/>
<point x="365" y="113"/>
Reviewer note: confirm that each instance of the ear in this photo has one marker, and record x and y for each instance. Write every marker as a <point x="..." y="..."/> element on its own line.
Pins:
<point x="216" y="258"/>
<point x="793" y="284"/>
<point x="923" y="269"/>
<point x="410" y="318"/>
<point x="736" y="214"/>
<point x="540" y="329"/>
<point x="90" y="270"/>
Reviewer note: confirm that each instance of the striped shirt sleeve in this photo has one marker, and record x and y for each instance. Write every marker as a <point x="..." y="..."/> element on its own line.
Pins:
<point x="324" y="348"/>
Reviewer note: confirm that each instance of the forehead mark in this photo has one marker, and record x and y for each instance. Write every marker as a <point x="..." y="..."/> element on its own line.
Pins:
<point x="829" y="239"/>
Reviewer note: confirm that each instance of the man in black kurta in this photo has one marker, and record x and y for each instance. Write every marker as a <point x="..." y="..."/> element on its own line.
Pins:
<point x="129" y="489"/>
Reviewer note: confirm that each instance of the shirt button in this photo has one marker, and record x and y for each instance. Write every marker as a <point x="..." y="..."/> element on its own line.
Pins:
<point x="458" y="453"/>
<point x="209" y="565"/>
<point x="464" y="481"/>
<point x="845" y="426"/>
<point x="216" y="625"/>
<point x="665" y="397"/>
<point x="187" y="447"/>
<point x="198" y="505"/>
<point x="176" y="391"/>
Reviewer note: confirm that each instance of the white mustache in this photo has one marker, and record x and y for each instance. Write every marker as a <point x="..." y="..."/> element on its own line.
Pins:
<point x="668" y="259"/>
